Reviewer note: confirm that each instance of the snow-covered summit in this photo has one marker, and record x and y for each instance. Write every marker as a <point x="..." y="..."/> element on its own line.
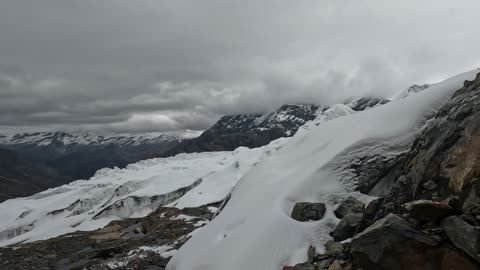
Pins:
<point x="409" y="91"/>
<point x="288" y="117"/>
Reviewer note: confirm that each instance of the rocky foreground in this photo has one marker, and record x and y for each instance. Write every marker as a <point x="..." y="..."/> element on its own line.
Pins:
<point x="430" y="218"/>
<point x="134" y="243"/>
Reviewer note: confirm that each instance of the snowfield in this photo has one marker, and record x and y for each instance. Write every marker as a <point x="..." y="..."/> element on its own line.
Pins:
<point x="254" y="227"/>
<point x="186" y="180"/>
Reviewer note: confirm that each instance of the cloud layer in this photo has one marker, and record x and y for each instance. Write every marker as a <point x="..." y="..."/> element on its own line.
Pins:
<point x="119" y="66"/>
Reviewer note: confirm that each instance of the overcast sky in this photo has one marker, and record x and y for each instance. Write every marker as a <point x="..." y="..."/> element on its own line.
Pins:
<point x="118" y="66"/>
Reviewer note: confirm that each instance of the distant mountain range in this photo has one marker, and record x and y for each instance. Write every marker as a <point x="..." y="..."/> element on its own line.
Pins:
<point x="57" y="158"/>
<point x="36" y="161"/>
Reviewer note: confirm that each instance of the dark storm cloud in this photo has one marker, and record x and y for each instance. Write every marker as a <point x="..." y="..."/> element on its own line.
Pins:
<point x="160" y="65"/>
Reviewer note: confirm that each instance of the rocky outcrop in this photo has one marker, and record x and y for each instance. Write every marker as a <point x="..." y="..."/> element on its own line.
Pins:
<point x="305" y="211"/>
<point x="428" y="215"/>
<point x="135" y="243"/>
<point x="351" y="204"/>
<point x="463" y="235"/>
<point x="347" y="226"/>
<point x="366" y="103"/>
<point x="445" y="160"/>
<point x="428" y="211"/>
<point x="390" y="243"/>
<point x="436" y="193"/>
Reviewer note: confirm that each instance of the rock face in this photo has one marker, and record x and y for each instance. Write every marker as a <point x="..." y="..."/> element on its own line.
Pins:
<point x="437" y="179"/>
<point x="463" y="236"/>
<point x="366" y="103"/>
<point x="305" y="211"/>
<point x="391" y="243"/>
<point x="428" y="217"/>
<point x="445" y="160"/>
<point x="351" y="204"/>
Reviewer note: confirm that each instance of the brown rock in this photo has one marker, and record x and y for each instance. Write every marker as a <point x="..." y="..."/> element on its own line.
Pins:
<point x="451" y="260"/>
<point x="106" y="236"/>
<point x="427" y="210"/>
<point x="335" y="266"/>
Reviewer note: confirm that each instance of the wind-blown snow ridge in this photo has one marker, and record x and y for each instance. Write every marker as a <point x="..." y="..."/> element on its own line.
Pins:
<point x="255" y="226"/>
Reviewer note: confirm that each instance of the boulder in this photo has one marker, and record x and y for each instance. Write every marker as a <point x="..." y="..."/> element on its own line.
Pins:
<point x="369" y="214"/>
<point x="463" y="235"/>
<point x="334" y="249"/>
<point x="349" y="205"/>
<point x="427" y="210"/>
<point x="306" y="211"/>
<point x="300" y="266"/>
<point x="335" y="266"/>
<point x="305" y="266"/>
<point x="346" y="227"/>
<point x="391" y="243"/>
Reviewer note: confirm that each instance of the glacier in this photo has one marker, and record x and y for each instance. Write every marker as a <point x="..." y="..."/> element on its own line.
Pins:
<point x="185" y="180"/>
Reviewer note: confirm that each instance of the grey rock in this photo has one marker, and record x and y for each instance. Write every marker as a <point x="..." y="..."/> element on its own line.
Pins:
<point x="388" y="244"/>
<point x="324" y="263"/>
<point x="334" y="248"/>
<point x="430" y="185"/>
<point x="306" y="211"/>
<point x="463" y="235"/>
<point x="351" y="204"/>
<point x="346" y="227"/>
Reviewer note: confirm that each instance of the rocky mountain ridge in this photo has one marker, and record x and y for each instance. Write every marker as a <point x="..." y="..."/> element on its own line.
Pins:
<point x="430" y="217"/>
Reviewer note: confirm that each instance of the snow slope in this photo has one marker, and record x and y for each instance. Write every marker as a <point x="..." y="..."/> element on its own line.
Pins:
<point x="195" y="179"/>
<point x="255" y="227"/>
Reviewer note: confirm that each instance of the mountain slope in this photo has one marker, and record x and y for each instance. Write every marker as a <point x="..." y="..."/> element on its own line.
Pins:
<point x="258" y="212"/>
<point x="18" y="179"/>
<point x="327" y="160"/>
<point x="252" y="130"/>
<point x="52" y="159"/>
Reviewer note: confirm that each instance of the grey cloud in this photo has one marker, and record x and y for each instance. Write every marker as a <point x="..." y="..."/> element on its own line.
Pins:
<point x="120" y="66"/>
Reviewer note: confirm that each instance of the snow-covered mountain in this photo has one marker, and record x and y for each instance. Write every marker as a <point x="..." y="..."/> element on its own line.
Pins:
<point x="185" y="180"/>
<point x="287" y="118"/>
<point x="329" y="158"/>
<point x="255" y="225"/>
<point x="410" y="90"/>
<point x="250" y="130"/>
<point x="48" y="138"/>
<point x="49" y="159"/>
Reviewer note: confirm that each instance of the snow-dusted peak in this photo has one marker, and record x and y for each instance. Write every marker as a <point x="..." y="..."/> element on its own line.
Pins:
<point x="47" y="138"/>
<point x="409" y="91"/>
<point x="337" y="110"/>
<point x="288" y="117"/>
<point x="362" y="104"/>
